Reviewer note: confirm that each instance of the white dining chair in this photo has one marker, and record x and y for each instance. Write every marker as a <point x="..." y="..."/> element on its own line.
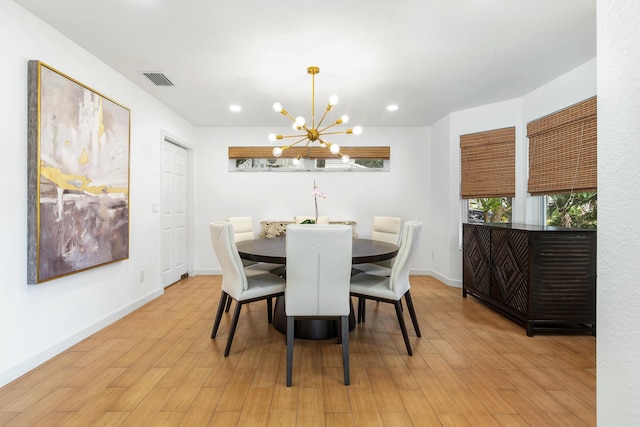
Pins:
<point x="386" y="229"/>
<point x="321" y="219"/>
<point x="243" y="230"/>
<point x="318" y="272"/>
<point x="391" y="289"/>
<point x="235" y="282"/>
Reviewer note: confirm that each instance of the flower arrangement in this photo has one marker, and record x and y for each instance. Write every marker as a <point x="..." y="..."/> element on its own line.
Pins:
<point x="316" y="193"/>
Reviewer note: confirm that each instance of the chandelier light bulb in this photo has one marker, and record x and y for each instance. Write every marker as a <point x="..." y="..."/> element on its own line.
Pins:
<point x="345" y="118"/>
<point x="277" y="151"/>
<point x="323" y="144"/>
<point x="345" y="159"/>
<point x="357" y="130"/>
<point x="277" y="107"/>
<point x="335" y="148"/>
<point x="296" y="161"/>
<point x="333" y="100"/>
<point x="295" y="126"/>
<point x="272" y="137"/>
<point x="300" y="121"/>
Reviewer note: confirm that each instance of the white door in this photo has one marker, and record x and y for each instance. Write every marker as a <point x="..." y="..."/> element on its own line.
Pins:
<point x="174" y="213"/>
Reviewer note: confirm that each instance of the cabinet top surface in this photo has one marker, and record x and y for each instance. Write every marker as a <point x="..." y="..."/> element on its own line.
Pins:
<point x="530" y="227"/>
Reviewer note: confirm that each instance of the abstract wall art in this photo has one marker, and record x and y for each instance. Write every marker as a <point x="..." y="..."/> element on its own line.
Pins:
<point x="78" y="183"/>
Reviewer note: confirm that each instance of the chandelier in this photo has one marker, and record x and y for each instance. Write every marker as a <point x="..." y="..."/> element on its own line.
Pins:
<point x="313" y="133"/>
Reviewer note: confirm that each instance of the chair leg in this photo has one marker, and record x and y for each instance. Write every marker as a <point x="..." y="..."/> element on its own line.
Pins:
<point x="344" y="333"/>
<point x="290" y="327"/>
<point x="232" y="329"/>
<point x="412" y="312"/>
<point x="221" y="304"/>
<point x="270" y="310"/>
<point x="226" y="309"/>
<point x="364" y="310"/>
<point x="351" y="310"/>
<point x="361" y="309"/>
<point x="403" y="327"/>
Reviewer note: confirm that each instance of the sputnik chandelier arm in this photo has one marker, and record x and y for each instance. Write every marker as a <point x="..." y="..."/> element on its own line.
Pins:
<point x="313" y="133"/>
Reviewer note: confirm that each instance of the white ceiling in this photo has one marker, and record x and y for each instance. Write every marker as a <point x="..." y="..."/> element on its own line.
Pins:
<point x="430" y="57"/>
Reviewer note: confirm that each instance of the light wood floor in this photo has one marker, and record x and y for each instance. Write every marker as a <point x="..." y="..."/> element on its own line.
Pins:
<point x="159" y="367"/>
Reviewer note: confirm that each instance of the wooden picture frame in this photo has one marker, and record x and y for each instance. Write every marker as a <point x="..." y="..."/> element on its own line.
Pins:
<point x="78" y="183"/>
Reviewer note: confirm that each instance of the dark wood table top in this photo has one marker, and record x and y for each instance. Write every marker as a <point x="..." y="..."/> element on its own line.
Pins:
<point x="274" y="250"/>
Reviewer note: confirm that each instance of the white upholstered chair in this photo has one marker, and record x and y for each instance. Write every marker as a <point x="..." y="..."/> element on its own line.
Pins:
<point x="243" y="230"/>
<point x="235" y="282"/>
<point x="321" y="219"/>
<point x="387" y="229"/>
<point x="318" y="272"/>
<point x="391" y="289"/>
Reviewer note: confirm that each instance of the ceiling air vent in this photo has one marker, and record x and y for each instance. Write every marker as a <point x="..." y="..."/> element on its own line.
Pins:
<point x="158" y="79"/>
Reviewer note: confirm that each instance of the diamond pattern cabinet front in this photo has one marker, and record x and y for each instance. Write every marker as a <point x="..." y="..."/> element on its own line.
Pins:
<point x="510" y="269"/>
<point x="541" y="277"/>
<point x="476" y="261"/>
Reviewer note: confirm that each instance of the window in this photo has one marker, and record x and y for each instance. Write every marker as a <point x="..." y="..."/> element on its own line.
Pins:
<point x="353" y="164"/>
<point x="577" y="210"/>
<point x="494" y="209"/>
<point x="363" y="159"/>
<point x="264" y="164"/>
<point x="487" y="164"/>
<point x="563" y="164"/>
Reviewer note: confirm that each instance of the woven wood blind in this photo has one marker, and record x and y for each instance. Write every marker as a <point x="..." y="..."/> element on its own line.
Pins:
<point x="563" y="150"/>
<point x="488" y="164"/>
<point x="262" y="152"/>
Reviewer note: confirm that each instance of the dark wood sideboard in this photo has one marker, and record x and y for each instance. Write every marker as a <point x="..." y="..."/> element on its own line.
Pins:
<point x="539" y="276"/>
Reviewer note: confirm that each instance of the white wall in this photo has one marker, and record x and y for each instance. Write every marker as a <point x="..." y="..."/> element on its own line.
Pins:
<point x="444" y="217"/>
<point x="575" y="86"/>
<point x="403" y="191"/>
<point x="38" y="321"/>
<point x="618" y="311"/>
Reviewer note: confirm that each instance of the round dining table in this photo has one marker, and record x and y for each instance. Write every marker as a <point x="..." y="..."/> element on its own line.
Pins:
<point x="274" y="251"/>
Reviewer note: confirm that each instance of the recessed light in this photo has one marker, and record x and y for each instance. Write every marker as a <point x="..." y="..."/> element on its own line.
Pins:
<point x="392" y="107"/>
<point x="235" y="108"/>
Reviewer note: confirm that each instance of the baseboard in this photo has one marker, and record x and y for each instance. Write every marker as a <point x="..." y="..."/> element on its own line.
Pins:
<point x="446" y="280"/>
<point x="455" y="283"/>
<point x="22" y="368"/>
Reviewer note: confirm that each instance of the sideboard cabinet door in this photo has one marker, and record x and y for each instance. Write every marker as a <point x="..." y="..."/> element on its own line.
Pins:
<point x="476" y="260"/>
<point x="564" y="271"/>
<point x="510" y="269"/>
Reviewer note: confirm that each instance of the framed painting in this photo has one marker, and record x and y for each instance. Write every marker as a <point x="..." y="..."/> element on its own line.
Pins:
<point x="78" y="186"/>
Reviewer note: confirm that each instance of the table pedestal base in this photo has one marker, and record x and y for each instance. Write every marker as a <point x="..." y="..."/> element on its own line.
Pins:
<point x="311" y="329"/>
